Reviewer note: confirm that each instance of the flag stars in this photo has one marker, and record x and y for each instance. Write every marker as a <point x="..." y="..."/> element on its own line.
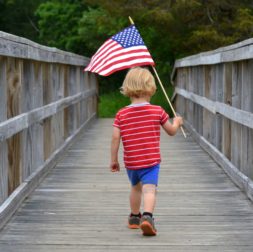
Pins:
<point x="128" y="37"/>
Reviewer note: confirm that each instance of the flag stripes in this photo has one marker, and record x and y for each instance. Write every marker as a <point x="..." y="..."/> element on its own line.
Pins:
<point x="124" y="50"/>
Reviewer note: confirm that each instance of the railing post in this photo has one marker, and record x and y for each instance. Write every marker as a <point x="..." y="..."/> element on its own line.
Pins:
<point x="14" y="108"/>
<point x="72" y="110"/>
<point x="227" y="99"/>
<point x="247" y="105"/>
<point x="3" y="145"/>
<point x="207" y="116"/>
<point x="236" y="146"/>
<point x="32" y="138"/>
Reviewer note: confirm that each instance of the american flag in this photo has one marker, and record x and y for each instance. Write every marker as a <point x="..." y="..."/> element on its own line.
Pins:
<point x="124" y="50"/>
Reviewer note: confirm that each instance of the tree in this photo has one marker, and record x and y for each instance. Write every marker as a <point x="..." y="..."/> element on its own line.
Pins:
<point x="170" y="29"/>
<point x="59" y="23"/>
<point x="17" y="17"/>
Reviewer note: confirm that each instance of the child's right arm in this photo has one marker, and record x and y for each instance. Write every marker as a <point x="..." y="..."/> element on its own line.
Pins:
<point x="114" y="150"/>
<point x="171" y="129"/>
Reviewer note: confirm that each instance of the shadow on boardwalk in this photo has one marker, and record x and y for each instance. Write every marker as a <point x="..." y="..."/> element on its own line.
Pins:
<point x="81" y="206"/>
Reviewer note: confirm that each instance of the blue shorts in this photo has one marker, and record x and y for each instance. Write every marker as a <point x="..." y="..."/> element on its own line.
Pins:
<point x="145" y="176"/>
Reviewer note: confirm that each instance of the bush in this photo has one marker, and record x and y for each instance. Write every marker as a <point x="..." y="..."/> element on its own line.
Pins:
<point x="110" y="103"/>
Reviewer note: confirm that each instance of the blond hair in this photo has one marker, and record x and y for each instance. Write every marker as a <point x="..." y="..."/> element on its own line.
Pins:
<point x="139" y="82"/>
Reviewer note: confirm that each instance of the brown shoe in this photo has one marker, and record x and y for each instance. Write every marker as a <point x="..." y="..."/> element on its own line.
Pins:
<point x="147" y="226"/>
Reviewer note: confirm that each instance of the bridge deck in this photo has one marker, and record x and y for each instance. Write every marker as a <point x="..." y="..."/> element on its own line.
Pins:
<point x="81" y="206"/>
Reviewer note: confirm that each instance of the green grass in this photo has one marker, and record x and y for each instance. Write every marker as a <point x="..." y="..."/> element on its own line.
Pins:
<point x="111" y="102"/>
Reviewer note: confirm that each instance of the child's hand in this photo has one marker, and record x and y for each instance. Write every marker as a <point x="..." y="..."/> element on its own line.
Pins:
<point x="115" y="167"/>
<point x="178" y="120"/>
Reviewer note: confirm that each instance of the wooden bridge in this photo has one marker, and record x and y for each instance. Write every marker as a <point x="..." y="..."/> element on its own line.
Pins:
<point x="56" y="191"/>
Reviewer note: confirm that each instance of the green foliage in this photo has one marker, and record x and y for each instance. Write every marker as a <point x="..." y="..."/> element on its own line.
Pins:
<point x="95" y="27"/>
<point x="17" y="17"/>
<point x="59" y="24"/>
<point x="110" y="103"/>
<point x="243" y="25"/>
<point x="170" y="29"/>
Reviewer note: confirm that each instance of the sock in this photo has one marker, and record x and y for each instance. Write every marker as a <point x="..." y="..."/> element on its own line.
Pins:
<point x="135" y="215"/>
<point x="149" y="214"/>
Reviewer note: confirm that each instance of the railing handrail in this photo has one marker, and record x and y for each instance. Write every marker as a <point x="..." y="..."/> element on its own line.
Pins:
<point x="23" y="121"/>
<point x="237" y="115"/>
<point x="14" y="46"/>
<point x="240" y="51"/>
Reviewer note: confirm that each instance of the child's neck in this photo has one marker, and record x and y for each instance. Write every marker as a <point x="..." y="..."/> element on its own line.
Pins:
<point x="135" y="100"/>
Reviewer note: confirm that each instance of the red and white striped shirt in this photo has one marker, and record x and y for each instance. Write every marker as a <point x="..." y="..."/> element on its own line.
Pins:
<point x="139" y="126"/>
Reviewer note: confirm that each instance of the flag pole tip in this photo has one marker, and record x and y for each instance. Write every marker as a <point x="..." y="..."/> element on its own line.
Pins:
<point x="131" y="20"/>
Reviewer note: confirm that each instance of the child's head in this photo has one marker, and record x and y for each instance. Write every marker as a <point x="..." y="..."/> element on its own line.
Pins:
<point x="139" y="82"/>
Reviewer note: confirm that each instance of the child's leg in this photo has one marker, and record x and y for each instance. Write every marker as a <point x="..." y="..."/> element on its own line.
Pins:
<point x="135" y="198"/>
<point x="147" y="221"/>
<point x="149" y="197"/>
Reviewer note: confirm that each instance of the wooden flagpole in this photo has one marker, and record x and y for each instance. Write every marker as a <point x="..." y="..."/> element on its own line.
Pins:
<point x="163" y="89"/>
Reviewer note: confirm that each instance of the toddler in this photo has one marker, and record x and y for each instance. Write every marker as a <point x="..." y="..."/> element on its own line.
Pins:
<point x="138" y="126"/>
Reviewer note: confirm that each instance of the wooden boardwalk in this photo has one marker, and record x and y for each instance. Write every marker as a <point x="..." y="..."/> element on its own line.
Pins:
<point x="81" y="206"/>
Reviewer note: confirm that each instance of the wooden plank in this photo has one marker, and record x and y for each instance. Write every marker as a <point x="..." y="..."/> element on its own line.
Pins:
<point x="47" y="99"/>
<point x="247" y="105"/>
<point x="32" y="135"/>
<point x="179" y="106"/>
<point x="72" y="112"/>
<point x="82" y="89"/>
<point x="212" y="96"/>
<point x="3" y="172"/>
<point x="199" y="90"/>
<point x="14" y="46"/>
<point x="37" y="128"/>
<point x="60" y="114"/>
<point x="236" y="102"/>
<point x="206" y="113"/>
<point x="3" y="145"/>
<point x="27" y="105"/>
<point x="219" y="97"/>
<point x="183" y="101"/>
<point x="14" y="80"/>
<point x="195" y="79"/>
<point x="95" y="98"/>
<point x="236" y="52"/>
<point x="87" y="81"/>
<point x="237" y="115"/>
<point x="66" y="93"/>
<point x="18" y="123"/>
<point x="227" y="99"/>
<point x="189" y="104"/>
<point x="121" y="248"/>
<point x="57" y="123"/>
<point x="3" y="89"/>
<point x="78" y="89"/>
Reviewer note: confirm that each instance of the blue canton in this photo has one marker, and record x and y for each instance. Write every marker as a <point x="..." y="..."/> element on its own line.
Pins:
<point x="128" y="37"/>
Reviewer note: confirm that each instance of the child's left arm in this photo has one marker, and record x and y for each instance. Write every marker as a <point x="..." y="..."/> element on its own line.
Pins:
<point x="114" y="150"/>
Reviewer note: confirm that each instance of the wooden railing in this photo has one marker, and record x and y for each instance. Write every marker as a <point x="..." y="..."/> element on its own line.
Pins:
<point x="45" y="102"/>
<point x="214" y="94"/>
